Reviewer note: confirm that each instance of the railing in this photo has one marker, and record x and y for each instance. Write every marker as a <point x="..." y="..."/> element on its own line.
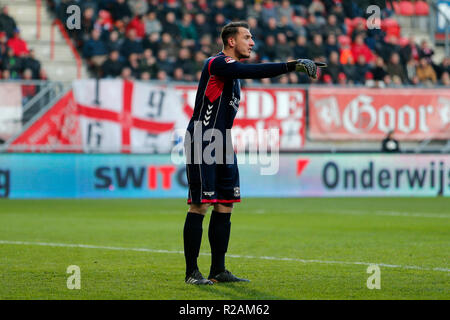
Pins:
<point x="63" y="31"/>
<point x="38" y="18"/>
<point x="434" y="13"/>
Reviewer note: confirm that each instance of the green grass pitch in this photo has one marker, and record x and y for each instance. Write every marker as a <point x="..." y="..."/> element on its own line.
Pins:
<point x="289" y="248"/>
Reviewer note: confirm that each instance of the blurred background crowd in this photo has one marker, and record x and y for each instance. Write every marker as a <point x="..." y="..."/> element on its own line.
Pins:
<point x="169" y="40"/>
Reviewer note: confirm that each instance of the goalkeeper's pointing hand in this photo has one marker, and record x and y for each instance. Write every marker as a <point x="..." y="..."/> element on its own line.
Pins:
<point x="307" y="66"/>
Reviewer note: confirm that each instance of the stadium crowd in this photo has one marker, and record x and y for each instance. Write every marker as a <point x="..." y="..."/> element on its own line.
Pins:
<point x="17" y="61"/>
<point x="169" y="40"/>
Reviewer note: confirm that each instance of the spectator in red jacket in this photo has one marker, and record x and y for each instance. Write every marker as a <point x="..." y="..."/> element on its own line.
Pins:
<point x="18" y="45"/>
<point x="137" y="23"/>
<point x="360" y="48"/>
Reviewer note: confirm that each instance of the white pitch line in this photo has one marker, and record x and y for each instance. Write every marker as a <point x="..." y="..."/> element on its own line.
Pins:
<point x="88" y="246"/>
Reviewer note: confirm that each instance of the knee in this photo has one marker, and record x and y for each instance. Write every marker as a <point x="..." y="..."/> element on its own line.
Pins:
<point x="199" y="208"/>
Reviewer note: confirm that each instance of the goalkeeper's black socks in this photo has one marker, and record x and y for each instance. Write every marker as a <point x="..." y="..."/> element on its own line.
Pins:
<point x="219" y="235"/>
<point x="192" y="236"/>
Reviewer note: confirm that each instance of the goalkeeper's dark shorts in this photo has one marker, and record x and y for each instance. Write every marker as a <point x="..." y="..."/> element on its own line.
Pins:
<point x="213" y="183"/>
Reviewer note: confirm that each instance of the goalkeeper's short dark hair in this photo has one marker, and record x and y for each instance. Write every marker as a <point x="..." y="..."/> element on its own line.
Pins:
<point x="231" y="29"/>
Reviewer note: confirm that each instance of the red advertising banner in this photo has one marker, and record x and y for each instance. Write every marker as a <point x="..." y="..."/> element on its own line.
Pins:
<point x="369" y="114"/>
<point x="56" y="131"/>
<point x="281" y="109"/>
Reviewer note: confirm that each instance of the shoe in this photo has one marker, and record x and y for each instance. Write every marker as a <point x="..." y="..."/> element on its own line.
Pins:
<point x="197" y="278"/>
<point x="226" y="276"/>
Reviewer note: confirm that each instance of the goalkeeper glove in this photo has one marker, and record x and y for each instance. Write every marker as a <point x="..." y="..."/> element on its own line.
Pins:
<point x="307" y="66"/>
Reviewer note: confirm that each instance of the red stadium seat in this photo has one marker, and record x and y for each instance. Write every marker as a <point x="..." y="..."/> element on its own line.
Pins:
<point x="406" y="8"/>
<point x="391" y="27"/>
<point x="421" y="8"/>
<point x="396" y="7"/>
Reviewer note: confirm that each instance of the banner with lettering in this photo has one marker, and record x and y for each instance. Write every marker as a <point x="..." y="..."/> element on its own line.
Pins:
<point x="369" y="114"/>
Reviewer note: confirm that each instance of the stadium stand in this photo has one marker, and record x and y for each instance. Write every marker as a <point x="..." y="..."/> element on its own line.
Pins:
<point x="17" y="60"/>
<point x="159" y="39"/>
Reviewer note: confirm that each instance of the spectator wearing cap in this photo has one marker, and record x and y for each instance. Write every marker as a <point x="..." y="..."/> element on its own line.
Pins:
<point x="18" y="45"/>
<point x="7" y="23"/>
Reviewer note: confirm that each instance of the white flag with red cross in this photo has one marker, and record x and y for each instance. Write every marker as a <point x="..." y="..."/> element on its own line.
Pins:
<point x="128" y="117"/>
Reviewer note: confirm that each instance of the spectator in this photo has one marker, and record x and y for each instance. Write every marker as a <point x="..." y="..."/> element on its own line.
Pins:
<point x="164" y="64"/>
<point x="411" y="50"/>
<point x="104" y="21"/>
<point x="411" y="67"/>
<point x="379" y="72"/>
<point x="425" y="51"/>
<point x="342" y="79"/>
<point x="148" y="63"/>
<point x="316" y="49"/>
<point x="331" y="44"/>
<point x="269" y="50"/>
<point x="152" y="42"/>
<point x="114" y="41"/>
<point x="201" y="25"/>
<point x="145" y="76"/>
<point x="445" y="79"/>
<point x="395" y="68"/>
<point x="219" y="23"/>
<point x="29" y="90"/>
<point x="170" y="25"/>
<point x="131" y="44"/>
<point x="168" y="44"/>
<point x="299" y="26"/>
<point x="120" y="10"/>
<point x="286" y="10"/>
<point x="18" y="45"/>
<point x="185" y="62"/>
<point x="300" y="49"/>
<point x="268" y="11"/>
<point x="187" y="28"/>
<point x="139" y="7"/>
<point x="220" y="8"/>
<point x="425" y="72"/>
<point x="95" y="50"/>
<point x="7" y="23"/>
<point x="360" y="48"/>
<point x="138" y="25"/>
<point x="443" y="67"/>
<point x="112" y="67"/>
<point x="332" y="26"/>
<point x="133" y="64"/>
<point x="127" y="74"/>
<point x="13" y="64"/>
<point x="284" y="50"/>
<point x="271" y="29"/>
<point x="285" y="27"/>
<point x="3" y="46"/>
<point x="152" y="24"/>
<point x="313" y="27"/>
<point x="254" y="10"/>
<point x="334" y="66"/>
<point x="29" y="62"/>
<point x="238" y="11"/>
<point x="359" y="71"/>
<point x="178" y="74"/>
<point x="162" y="75"/>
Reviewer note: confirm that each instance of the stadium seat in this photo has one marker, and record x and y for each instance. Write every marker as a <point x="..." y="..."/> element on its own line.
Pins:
<point x="391" y="27"/>
<point x="406" y="8"/>
<point x="421" y="8"/>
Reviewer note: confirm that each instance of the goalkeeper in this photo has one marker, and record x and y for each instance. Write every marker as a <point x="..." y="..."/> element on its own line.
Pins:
<point x="217" y="183"/>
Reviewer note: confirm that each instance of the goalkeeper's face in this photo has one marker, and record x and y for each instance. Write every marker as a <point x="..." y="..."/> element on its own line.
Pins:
<point x="244" y="44"/>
